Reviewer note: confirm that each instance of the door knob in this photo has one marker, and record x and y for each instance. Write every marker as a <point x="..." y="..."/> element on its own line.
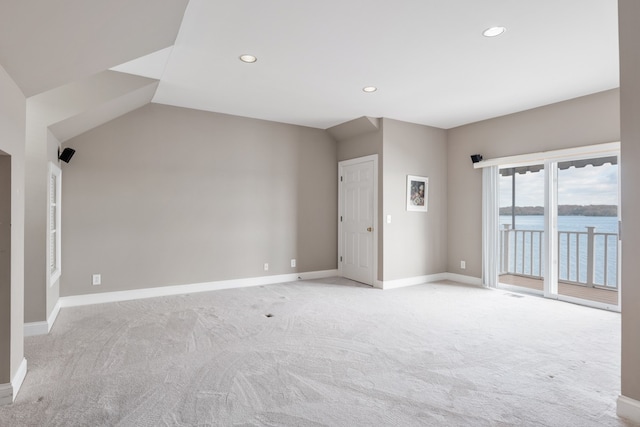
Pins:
<point x="369" y="229"/>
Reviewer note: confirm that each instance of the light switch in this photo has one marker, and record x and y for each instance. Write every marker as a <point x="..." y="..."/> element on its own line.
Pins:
<point x="388" y="219"/>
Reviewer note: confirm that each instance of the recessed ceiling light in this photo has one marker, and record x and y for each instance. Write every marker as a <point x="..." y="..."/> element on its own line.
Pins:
<point x="369" y="89"/>
<point x="493" y="31"/>
<point x="249" y="59"/>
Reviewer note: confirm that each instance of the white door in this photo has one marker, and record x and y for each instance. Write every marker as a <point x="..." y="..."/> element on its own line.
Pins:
<point x="357" y="219"/>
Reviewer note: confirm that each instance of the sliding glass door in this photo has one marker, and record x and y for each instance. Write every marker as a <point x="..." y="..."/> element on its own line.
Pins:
<point x="522" y="248"/>
<point x="561" y="213"/>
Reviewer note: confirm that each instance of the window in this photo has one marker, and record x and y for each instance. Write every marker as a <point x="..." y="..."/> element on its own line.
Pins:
<point x="54" y="258"/>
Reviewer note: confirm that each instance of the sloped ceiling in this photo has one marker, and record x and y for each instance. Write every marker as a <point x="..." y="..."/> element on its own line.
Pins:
<point x="45" y="44"/>
<point x="102" y="113"/>
<point x="77" y="107"/>
<point x="353" y="128"/>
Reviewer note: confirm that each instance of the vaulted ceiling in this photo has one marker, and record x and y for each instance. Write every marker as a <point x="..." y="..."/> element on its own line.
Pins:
<point x="428" y="58"/>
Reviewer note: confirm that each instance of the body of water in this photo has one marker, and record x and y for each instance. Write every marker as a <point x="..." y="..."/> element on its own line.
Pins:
<point x="604" y="224"/>
<point x="525" y="252"/>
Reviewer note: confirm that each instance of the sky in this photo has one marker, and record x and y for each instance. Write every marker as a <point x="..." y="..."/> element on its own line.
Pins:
<point x="582" y="186"/>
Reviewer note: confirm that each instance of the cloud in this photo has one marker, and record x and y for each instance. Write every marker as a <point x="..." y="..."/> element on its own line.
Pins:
<point x="529" y="189"/>
<point x="583" y="186"/>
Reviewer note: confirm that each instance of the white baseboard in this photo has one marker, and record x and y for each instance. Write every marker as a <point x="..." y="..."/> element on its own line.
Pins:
<point x="32" y="329"/>
<point x="53" y="316"/>
<point x="628" y="408"/>
<point x="9" y="391"/>
<point x="467" y="280"/>
<point x="42" y="328"/>
<point x="411" y="281"/>
<point x="323" y="274"/>
<point x="19" y="377"/>
<point x="116" y="296"/>
<point x="419" y="280"/>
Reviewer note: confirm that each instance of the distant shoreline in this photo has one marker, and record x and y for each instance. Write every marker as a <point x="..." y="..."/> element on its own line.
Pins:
<point x="565" y="210"/>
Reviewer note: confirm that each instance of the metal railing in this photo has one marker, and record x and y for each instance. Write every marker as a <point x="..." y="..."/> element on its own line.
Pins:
<point x="586" y="258"/>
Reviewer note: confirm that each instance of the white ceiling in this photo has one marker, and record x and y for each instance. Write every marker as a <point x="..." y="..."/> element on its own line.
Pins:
<point x="428" y="58"/>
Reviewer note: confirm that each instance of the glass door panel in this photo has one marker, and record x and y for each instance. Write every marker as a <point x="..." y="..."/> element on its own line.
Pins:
<point x="587" y="207"/>
<point x="522" y="251"/>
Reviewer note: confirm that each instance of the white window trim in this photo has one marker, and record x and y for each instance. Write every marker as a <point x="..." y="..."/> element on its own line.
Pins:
<point x="578" y="153"/>
<point x="54" y="170"/>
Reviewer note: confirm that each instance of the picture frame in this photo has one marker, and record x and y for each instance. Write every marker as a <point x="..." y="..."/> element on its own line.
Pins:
<point x="417" y="193"/>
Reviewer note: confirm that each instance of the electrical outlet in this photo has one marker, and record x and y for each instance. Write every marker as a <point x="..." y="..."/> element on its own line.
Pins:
<point x="293" y="263"/>
<point x="266" y="266"/>
<point x="96" y="279"/>
<point x="463" y="264"/>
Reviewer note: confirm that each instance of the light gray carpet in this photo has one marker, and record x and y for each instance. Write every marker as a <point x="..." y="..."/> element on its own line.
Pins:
<point x="333" y="353"/>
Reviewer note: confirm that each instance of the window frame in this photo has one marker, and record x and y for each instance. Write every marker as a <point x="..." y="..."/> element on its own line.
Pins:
<point x="54" y="199"/>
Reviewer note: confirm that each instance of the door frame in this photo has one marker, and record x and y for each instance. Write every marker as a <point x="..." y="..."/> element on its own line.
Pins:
<point x="374" y="250"/>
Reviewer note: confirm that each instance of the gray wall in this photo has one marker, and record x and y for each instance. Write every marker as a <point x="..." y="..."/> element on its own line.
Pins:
<point x="12" y="136"/>
<point x="5" y="264"/>
<point x="360" y="145"/>
<point x="629" y="11"/>
<point x="167" y="196"/>
<point x="41" y="148"/>
<point x="68" y="110"/>
<point x="35" y="219"/>
<point x="415" y="243"/>
<point x="582" y="121"/>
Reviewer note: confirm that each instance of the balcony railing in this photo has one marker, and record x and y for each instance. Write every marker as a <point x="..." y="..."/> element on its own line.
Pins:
<point x="586" y="258"/>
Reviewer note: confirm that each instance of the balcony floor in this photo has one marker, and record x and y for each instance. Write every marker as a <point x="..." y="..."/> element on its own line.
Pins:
<point x="576" y="291"/>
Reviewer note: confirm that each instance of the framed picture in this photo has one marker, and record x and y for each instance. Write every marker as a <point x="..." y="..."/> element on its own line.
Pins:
<point x="417" y="193"/>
